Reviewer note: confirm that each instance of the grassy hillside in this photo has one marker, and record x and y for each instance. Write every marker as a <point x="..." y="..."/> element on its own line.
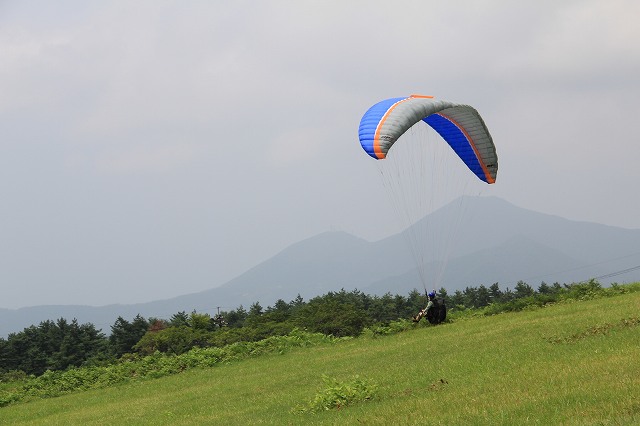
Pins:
<point x="569" y="363"/>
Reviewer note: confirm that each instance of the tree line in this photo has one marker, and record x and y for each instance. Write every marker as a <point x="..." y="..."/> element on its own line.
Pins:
<point x="59" y="345"/>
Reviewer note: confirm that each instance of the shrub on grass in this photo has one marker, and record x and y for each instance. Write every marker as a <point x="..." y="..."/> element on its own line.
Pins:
<point x="384" y="330"/>
<point x="338" y="394"/>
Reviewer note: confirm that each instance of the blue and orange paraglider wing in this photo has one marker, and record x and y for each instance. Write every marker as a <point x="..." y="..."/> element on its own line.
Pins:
<point x="459" y="125"/>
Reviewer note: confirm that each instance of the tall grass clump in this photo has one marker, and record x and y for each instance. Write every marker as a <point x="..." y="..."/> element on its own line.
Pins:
<point x="337" y="394"/>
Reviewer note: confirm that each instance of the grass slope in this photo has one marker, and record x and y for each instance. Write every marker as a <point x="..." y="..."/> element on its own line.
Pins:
<point x="569" y="363"/>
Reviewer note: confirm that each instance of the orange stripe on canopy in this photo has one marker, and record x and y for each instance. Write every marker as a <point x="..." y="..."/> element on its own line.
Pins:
<point x="487" y="175"/>
<point x="376" y="137"/>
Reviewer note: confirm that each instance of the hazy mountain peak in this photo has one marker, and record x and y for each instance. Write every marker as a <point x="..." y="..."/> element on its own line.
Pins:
<point x="497" y="242"/>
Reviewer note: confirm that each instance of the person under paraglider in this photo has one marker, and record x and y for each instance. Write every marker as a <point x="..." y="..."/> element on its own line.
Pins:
<point x="435" y="311"/>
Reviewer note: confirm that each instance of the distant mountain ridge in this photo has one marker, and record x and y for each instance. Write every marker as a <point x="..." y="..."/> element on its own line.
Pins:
<point x="498" y="242"/>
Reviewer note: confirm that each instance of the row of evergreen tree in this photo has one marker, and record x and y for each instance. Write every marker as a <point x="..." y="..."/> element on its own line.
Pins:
<point x="58" y="345"/>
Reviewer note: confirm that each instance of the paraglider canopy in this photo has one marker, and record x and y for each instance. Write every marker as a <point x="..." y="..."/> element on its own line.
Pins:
<point x="459" y="125"/>
<point x="422" y="173"/>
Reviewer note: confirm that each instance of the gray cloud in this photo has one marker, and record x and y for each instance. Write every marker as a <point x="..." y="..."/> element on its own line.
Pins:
<point x="153" y="149"/>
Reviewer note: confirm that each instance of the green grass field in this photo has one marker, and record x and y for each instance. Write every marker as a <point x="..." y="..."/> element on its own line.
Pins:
<point x="569" y="363"/>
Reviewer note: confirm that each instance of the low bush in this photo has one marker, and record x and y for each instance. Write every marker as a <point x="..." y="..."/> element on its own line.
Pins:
<point x="386" y="329"/>
<point x="338" y="394"/>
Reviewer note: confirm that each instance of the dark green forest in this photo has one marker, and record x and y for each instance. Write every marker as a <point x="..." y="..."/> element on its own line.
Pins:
<point x="62" y="344"/>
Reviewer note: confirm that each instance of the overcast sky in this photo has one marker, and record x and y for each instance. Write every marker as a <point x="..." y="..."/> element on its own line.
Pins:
<point x="151" y="149"/>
